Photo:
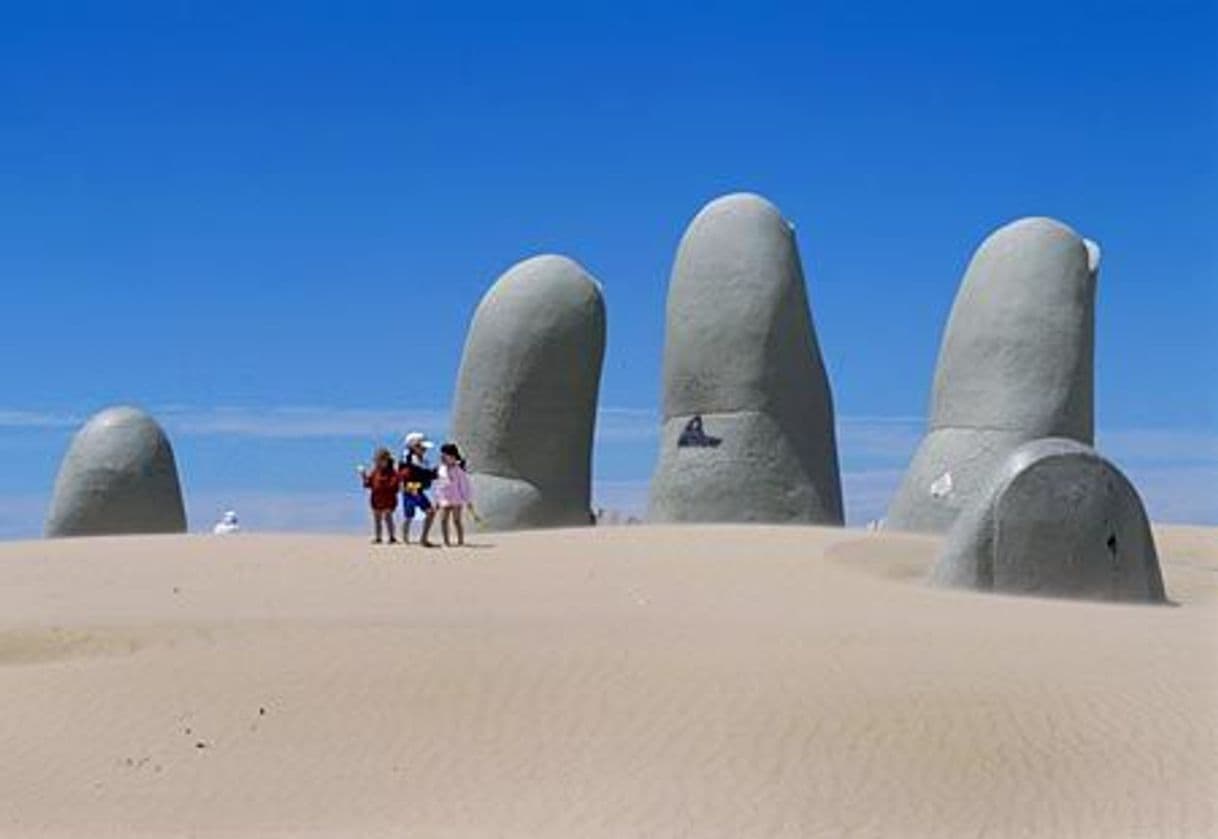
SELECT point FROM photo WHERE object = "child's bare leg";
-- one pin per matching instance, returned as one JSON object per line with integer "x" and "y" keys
{"x": 376, "y": 526}
{"x": 390, "y": 528}
{"x": 460, "y": 527}
{"x": 446, "y": 513}
{"x": 406, "y": 527}
{"x": 428, "y": 518}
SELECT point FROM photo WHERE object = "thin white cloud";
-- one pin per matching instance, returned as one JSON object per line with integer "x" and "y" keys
{"x": 338, "y": 511}
{"x": 298, "y": 422}
{"x": 614, "y": 425}
{"x": 868, "y": 493}
{"x": 283, "y": 422}
{"x": 21, "y": 515}
{"x": 627, "y": 498}
{"x": 879, "y": 437}
{"x": 870, "y": 419}
{"x": 898, "y": 437}
{"x": 626, "y": 425}
{"x": 36, "y": 420}
{"x": 293, "y": 422}
{"x": 1178, "y": 494}
{"x": 1158, "y": 444}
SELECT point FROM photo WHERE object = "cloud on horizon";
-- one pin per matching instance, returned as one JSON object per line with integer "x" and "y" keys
{"x": 1175, "y": 470}
{"x": 295, "y": 422}
{"x": 871, "y": 435}
{"x": 36, "y": 420}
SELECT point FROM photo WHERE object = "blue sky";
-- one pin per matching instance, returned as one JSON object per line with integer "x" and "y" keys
{"x": 269, "y": 223}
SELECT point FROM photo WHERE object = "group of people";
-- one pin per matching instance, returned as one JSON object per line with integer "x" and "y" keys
{"x": 416, "y": 481}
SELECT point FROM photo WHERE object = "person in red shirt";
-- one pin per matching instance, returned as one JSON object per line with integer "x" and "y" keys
{"x": 382, "y": 483}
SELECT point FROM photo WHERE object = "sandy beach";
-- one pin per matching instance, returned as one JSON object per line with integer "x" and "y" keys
{"x": 633, "y": 681}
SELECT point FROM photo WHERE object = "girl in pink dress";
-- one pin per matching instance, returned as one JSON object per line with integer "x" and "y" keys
{"x": 453, "y": 491}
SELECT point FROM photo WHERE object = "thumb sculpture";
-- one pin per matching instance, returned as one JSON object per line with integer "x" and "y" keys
{"x": 1016, "y": 364}
{"x": 525, "y": 407}
{"x": 118, "y": 477}
{"x": 747, "y": 432}
{"x": 1056, "y": 519}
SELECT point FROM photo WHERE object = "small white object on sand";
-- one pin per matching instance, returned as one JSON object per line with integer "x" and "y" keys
{"x": 227, "y": 525}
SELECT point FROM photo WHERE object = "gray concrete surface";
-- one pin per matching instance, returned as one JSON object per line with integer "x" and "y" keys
{"x": 741, "y": 353}
{"x": 526, "y": 397}
{"x": 119, "y": 476}
{"x": 1016, "y": 364}
{"x": 1055, "y": 519}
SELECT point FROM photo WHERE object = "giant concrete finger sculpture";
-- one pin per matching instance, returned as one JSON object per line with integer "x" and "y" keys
{"x": 526, "y": 395}
{"x": 1058, "y": 520}
{"x": 118, "y": 477}
{"x": 1016, "y": 364}
{"x": 747, "y": 429}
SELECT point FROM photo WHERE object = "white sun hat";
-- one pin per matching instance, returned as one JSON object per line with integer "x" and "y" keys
{"x": 417, "y": 438}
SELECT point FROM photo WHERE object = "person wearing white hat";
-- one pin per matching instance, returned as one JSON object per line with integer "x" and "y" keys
{"x": 417, "y": 440}
{"x": 416, "y": 477}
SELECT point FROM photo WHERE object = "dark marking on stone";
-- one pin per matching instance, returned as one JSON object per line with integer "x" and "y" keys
{"x": 694, "y": 436}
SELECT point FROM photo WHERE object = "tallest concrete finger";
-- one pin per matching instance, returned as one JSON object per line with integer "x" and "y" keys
{"x": 748, "y": 415}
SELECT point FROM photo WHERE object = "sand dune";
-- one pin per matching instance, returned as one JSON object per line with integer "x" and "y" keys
{"x": 729, "y": 681}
